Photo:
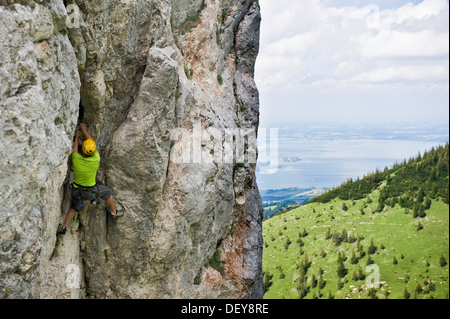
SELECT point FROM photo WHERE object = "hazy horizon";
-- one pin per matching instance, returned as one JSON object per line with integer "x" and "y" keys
{"x": 324, "y": 156}
{"x": 337, "y": 64}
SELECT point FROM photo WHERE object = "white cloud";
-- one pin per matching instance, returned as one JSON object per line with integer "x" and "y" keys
{"x": 398, "y": 44}
{"x": 427, "y": 73}
{"x": 344, "y": 68}
{"x": 307, "y": 44}
{"x": 428, "y": 9}
{"x": 294, "y": 44}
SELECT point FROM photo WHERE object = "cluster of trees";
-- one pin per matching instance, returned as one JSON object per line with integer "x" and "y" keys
{"x": 353, "y": 190}
{"x": 302, "y": 282}
{"x": 428, "y": 284}
{"x": 422, "y": 176}
{"x": 426, "y": 288}
{"x": 305, "y": 282}
{"x": 410, "y": 183}
{"x": 354, "y": 259}
{"x": 341, "y": 237}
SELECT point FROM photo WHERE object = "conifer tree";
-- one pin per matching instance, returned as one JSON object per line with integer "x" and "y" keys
{"x": 313, "y": 281}
{"x": 267, "y": 280}
{"x": 321, "y": 282}
{"x": 302, "y": 276}
{"x": 302, "y": 290}
{"x": 372, "y": 248}
{"x": 282, "y": 275}
{"x": 419, "y": 289}
{"x": 419, "y": 226}
{"x": 422, "y": 213}
{"x": 420, "y": 195}
{"x": 361, "y": 275}
{"x": 427, "y": 203}
{"x": 406, "y": 294}
{"x": 353, "y": 259}
{"x": 287, "y": 243}
{"x": 416, "y": 210}
{"x": 442, "y": 261}
{"x": 372, "y": 293}
{"x": 341, "y": 271}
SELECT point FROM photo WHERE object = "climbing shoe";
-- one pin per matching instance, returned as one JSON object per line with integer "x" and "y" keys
{"x": 61, "y": 230}
{"x": 119, "y": 213}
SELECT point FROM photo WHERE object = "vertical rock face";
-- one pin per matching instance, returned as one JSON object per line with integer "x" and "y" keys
{"x": 39, "y": 87}
{"x": 168, "y": 91}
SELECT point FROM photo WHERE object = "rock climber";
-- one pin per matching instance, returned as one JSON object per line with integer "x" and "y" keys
{"x": 85, "y": 166}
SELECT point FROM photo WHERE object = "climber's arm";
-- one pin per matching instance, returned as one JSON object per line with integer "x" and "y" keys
{"x": 75, "y": 143}
{"x": 84, "y": 131}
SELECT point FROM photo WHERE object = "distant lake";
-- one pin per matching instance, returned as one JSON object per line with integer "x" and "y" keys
{"x": 325, "y": 155}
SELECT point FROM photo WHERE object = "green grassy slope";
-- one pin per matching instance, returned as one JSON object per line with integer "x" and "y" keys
{"x": 393, "y": 232}
{"x": 303, "y": 246}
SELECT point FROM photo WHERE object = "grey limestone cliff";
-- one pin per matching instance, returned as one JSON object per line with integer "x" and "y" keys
{"x": 151, "y": 75}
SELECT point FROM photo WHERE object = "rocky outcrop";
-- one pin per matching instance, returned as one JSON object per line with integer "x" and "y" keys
{"x": 39, "y": 86}
{"x": 157, "y": 79}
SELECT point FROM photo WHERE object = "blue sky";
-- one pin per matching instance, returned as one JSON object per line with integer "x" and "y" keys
{"x": 335, "y": 60}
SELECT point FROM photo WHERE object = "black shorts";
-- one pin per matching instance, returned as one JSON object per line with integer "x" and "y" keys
{"x": 78, "y": 195}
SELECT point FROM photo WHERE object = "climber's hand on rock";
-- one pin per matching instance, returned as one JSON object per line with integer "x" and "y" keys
{"x": 84, "y": 131}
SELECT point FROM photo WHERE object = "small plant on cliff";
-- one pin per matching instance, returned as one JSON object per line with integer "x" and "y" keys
{"x": 189, "y": 72}
{"x": 59, "y": 120}
{"x": 190, "y": 23}
{"x": 218, "y": 37}
{"x": 195, "y": 18}
{"x": 197, "y": 280}
{"x": 220, "y": 79}
{"x": 216, "y": 263}
{"x": 22, "y": 2}
{"x": 224, "y": 14}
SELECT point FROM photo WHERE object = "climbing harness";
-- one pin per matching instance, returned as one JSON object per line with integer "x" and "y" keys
{"x": 87, "y": 193}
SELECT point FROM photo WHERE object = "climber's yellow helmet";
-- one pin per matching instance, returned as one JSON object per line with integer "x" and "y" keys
{"x": 89, "y": 147}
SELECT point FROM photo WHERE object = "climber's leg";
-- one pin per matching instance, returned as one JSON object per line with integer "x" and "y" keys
{"x": 110, "y": 205}
{"x": 76, "y": 205}
{"x": 70, "y": 213}
{"x": 110, "y": 208}
{"x": 105, "y": 193}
